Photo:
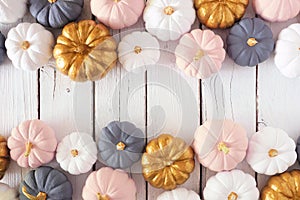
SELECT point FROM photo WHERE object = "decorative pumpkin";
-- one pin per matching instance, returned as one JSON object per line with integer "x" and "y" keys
{"x": 179, "y": 194}
{"x": 12, "y": 10}
{"x": 168, "y": 20}
{"x": 277, "y": 10}
{"x": 55, "y": 13}
{"x": 76, "y": 153}
{"x": 271, "y": 151}
{"x": 121, "y": 144}
{"x": 200, "y": 53}
{"x": 287, "y": 52}
{"x": 7, "y": 193}
{"x": 220, "y": 145}
{"x": 250, "y": 42}
{"x": 231, "y": 185}
{"x": 45, "y": 183}
{"x": 85, "y": 51}
{"x": 32, "y": 144}
{"x": 220, "y": 14}
{"x": 106, "y": 184}
{"x": 167, "y": 162}
{"x": 138, "y": 49}
{"x": 117, "y": 13}
{"x": 2, "y": 48}
{"x": 298, "y": 149}
{"x": 4, "y": 156}
{"x": 29, "y": 46}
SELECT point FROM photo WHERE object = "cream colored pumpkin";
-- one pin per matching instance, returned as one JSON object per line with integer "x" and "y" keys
{"x": 12, "y": 10}
{"x": 179, "y": 194}
{"x": 7, "y": 193}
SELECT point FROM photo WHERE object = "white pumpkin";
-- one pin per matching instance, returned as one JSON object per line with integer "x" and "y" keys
{"x": 138, "y": 49}
{"x": 231, "y": 185}
{"x": 29, "y": 46}
{"x": 168, "y": 20}
{"x": 271, "y": 151}
{"x": 179, "y": 194}
{"x": 287, "y": 52}
{"x": 12, "y": 10}
{"x": 7, "y": 193}
{"x": 76, "y": 153}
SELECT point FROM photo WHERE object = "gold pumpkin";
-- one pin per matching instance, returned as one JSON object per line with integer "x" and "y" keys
{"x": 4, "y": 156}
{"x": 283, "y": 187}
{"x": 85, "y": 51}
{"x": 167, "y": 162}
{"x": 220, "y": 13}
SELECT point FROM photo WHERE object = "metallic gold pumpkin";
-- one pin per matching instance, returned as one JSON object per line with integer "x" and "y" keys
{"x": 4, "y": 156}
{"x": 220, "y": 13}
{"x": 167, "y": 162}
{"x": 283, "y": 187}
{"x": 85, "y": 51}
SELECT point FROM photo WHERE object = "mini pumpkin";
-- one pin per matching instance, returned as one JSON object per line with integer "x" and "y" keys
{"x": 121, "y": 144}
{"x": 168, "y": 20}
{"x": 250, "y": 42}
{"x": 220, "y": 14}
{"x": 277, "y": 10}
{"x": 55, "y": 13}
{"x": 7, "y": 193}
{"x": 85, "y": 51}
{"x": 220, "y": 145}
{"x": 298, "y": 149}
{"x": 117, "y": 13}
{"x": 2, "y": 48}
{"x": 287, "y": 52}
{"x": 231, "y": 185}
{"x": 167, "y": 162}
{"x": 271, "y": 151}
{"x": 179, "y": 194}
{"x": 45, "y": 183}
{"x": 282, "y": 187}
{"x": 106, "y": 184}
{"x": 76, "y": 153}
{"x": 138, "y": 49}
{"x": 4, "y": 156}
{"x": 12, "y": 10}
{"x": 200, "y": 53}
{"x": 32, "y": 144}
{"x": 29, "y": 46}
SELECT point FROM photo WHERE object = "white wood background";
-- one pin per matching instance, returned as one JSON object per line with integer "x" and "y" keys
{"x": 255, "y": 97}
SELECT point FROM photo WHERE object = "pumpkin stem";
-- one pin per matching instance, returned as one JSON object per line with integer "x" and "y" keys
{"x": 40, "y": 196}
{"x": 102, "y": 197}
{"x": 169, "y": 10}
{"x": 137, "y": 49}
{"x": 74, "y": 152}
{"x": 28, "y": 149}
{"x": 116, "y": 1}
{"x": 273, "y": 153}
{"x": 198, "y": 55}
{"x": 252, "y": 42}
{"x": 25, "y": 45}
{"x": 233, "y": 196}
{"x": 121, "y": 146}
{"x": 52, "y": 1}
{"x": 222, "y": 147}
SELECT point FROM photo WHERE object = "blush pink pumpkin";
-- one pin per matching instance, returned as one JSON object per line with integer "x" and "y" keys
{"x": 220, "y": 145}
{"x": 32, "y": 144}
{"x": 109, "y": 184}
{"x": 117, "y": 13}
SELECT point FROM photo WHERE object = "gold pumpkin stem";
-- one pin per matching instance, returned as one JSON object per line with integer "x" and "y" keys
{"x": 25, "y": 45}
{"x": 252, "y": 42}
{"x": 116, "y": 1}
{"x": 74, "y": 152}
{"x": 222, "y": 147}
{"x": 169, "y": 10}
{"x": 121, "y": 146}
{"x": 273, "y": 153}
{"x": 40, "y": 196}
{"x": 137, "y": 49}
{"x": 52, "y": 1}
{"x": 198, "y": 55}
{"x": 233, "y": 196}
{"x": 102, "y": 197}
{"x": 28, "y": 149}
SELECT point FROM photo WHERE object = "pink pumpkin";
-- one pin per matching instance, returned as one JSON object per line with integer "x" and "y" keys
{"x": 117, "y": 13}
{"x": 220, "y": 145}
{"x": 200, "y": 53}
{"x": 109, "y": 184}
{"x": 277, "y": 10}
{"x": 32, "y": 144}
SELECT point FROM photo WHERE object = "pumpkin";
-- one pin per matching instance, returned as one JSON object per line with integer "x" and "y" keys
{"x": 29, "y": 46}
{"x": 12, "y": 10}
{"x": 76, "y": 153}
{"x": 250, "y": 42}
{"x": 179, "y": 194}
{"x": 168, "y": 20}
{"x": 167, "y": 162}
{"x": 55, "y": 13}
{"x": 45, "y": 183}
{"x": 85, "y": 51}
{"x": 117, "y": 13}
{"x": 7, "y": 193}
{"x": 231, "y": 185}
{"x": 121, "y": 144}
{"x": 271, "y": 151}
{"x": 4, "y": 156}
{"x": 220, "y": 14}
{"x": 298, "y": 149}
{"x": 277, "y": 10}
{"x": 200, "y": 53}
{"x": 2, "y": 48}
{"x": 138, "y": 49}
{"x": 106, "y": 184}
{"x": 32, "y": 144}
{"x": 220, "y": 144}
{"x": 287, "y": 51}
{"x": 282, "y": 187}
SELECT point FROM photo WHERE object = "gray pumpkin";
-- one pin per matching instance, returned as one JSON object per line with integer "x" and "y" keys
{"x": 2, "y": 48}
{"x": 55, "y": 13}
{"x": 121, "y": 144}
{"x": 250, "y": 42}
{"x": 298, "y": 149}
{"x": 45, "y": 183}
